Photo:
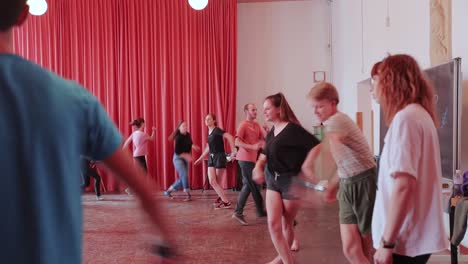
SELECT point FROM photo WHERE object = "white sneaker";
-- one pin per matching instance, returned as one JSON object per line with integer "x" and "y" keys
{"x": 99, "y": 198}
{"x": 128, "y": 191}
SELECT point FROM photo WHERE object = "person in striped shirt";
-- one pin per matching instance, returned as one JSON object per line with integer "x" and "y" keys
{"x": 354, "y": 185}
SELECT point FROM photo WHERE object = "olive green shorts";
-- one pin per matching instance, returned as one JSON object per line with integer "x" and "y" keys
{"x": 356, "y": 198}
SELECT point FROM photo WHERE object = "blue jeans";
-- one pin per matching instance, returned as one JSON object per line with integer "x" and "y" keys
{"x": 181, "y": 167}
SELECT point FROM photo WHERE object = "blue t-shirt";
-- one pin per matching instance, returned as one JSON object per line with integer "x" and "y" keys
{"x": 46, "y": 123}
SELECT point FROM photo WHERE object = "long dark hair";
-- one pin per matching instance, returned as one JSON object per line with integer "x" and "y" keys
{"x": 214, "y": 118}
{"x": 286, "y": 113}
{"x": 137, "y": 122}
{"x": 176, "y": 132}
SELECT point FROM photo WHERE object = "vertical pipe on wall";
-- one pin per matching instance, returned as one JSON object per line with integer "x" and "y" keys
{"x": 330, "y": 38}
{"x": 362, "y": 36}
{"x": 459, "y": 102}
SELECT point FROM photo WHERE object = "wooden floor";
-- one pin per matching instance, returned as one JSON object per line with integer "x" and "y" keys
{"x": 115, "y": 231}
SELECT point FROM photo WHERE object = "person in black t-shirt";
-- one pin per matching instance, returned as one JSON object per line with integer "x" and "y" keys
{"x": 287, "y": 145}
{"x": 217, "y": 159}
{"x": 182, "y": 156}
{"x": 88, "y": 169}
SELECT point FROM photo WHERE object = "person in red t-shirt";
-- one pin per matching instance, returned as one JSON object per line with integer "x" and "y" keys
{"x": 249, "y": 139}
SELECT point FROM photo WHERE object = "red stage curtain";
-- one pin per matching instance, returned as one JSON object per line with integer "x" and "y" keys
{"x": 159, "y": 59}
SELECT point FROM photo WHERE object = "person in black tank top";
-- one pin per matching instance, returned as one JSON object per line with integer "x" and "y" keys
{"x": 287, "y": 146}
{"x": 217, "y": 158}
{"x": 182, "y": 156}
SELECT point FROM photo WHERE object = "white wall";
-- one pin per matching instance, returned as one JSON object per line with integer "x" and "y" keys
{"x": 280, "y": 44}
{"x": 460, "y": 34}
{"x": 361, "y": 37}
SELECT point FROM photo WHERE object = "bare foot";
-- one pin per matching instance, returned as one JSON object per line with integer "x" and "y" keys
{"x": 295, "y": 245}
{"x": 277, "y": 260}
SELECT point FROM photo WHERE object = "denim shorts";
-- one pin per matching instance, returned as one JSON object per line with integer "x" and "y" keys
{"x": 280, "y": 183}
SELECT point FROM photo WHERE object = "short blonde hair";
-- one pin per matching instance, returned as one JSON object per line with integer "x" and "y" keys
{"x": 322, "y": 91}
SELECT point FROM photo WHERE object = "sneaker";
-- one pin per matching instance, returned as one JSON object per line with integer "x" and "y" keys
{"x": 99, "y": 198}
{"x": 223, "y": 205}
{"x": 217, "y": 201}
{"x": 262, "y": 214}
{"x": 128, "y": 191}
{"x": 240, "y": 218}
{"x": 168, "y": 194}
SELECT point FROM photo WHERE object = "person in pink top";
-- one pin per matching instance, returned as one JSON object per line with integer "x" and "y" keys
{"x": 140, "y": 141}
{"x": 249, "y": 139}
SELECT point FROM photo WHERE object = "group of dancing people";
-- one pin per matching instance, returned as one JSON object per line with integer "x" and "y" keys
{"x": 401, "y": 210}
{"x": 398, "y": 213}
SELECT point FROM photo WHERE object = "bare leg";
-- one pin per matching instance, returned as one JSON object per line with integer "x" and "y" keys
{"x": 212, "y": 177}
{"x": 277, "y": 260}
{"x": 295, "y": 245}
{"x": 352, "y": 249}
{"x": 290, "y": 211}
{"x": 367, "y": 247}
{"x": 274, "y": 205}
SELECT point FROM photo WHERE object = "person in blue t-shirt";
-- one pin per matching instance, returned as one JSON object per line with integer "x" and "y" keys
{"x": 42, "y": 119}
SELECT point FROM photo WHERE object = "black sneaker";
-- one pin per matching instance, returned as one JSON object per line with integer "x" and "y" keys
{"x": 168, "y": 194}
{"x": 240, "y": 218}
{"x": 164, "y": 251}
{"x": 262, "y": 214}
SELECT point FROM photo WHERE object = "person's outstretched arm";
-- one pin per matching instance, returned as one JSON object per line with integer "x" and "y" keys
{"x": 230, "y": 140}
{"x": 125, "y": 145}
{"x": 151, "y": 138}
{"x": 258, "y": 172}
{"x": 203, "y": 155}
{"x": 121, "y": 164}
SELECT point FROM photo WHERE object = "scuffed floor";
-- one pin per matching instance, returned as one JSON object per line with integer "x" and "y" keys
{"x": 115, "y": 231}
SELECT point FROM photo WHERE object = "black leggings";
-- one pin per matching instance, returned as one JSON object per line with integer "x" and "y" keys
{"x": 142, "y": 161}
{"x": 86, "y": 180}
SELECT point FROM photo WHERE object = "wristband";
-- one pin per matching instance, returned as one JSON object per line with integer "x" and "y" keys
{"x": 386, "y": 244}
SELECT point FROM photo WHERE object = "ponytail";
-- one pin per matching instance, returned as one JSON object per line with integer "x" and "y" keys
{"x": 137, "y": 122}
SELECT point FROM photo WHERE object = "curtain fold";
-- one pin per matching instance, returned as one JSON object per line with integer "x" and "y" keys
{"x": 160, "y": 60}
